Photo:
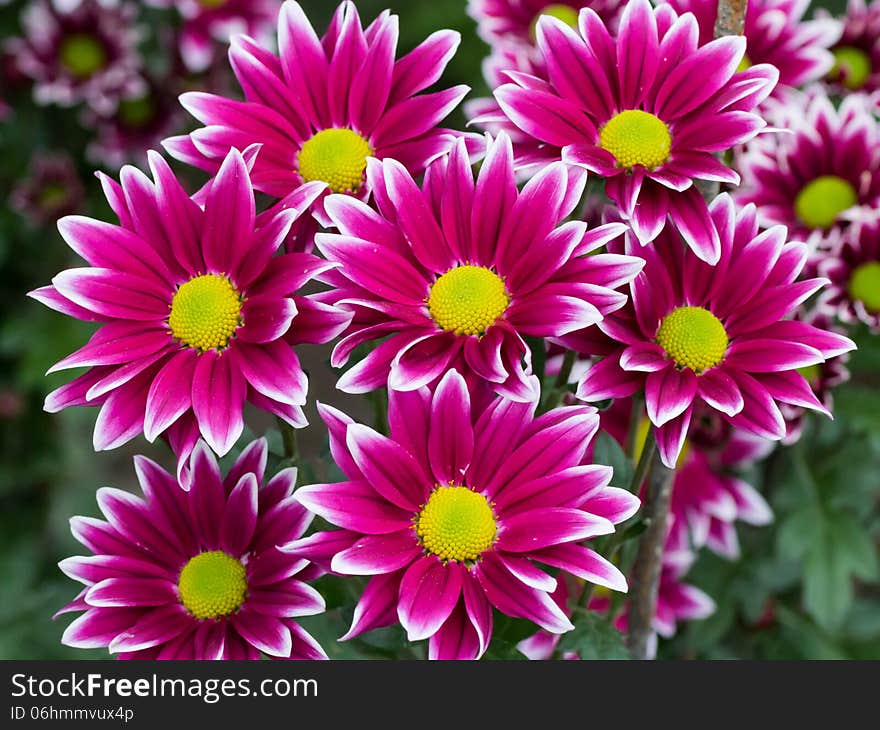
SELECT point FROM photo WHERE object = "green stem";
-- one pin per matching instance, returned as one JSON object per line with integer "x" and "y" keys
{"x": 565, "y": 370}
{"x": 379, "y": 399}
{"x": 288, "y": 440}
{"x": 644, "y": 465}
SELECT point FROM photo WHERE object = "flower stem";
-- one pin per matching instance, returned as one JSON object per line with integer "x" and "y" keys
{"x": 645, "y": 574}
{"x": 379, "y": 399}
{"x": 288, "y": 440}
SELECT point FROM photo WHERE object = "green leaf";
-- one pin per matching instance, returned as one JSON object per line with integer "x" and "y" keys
{"x": 607, "y": 451}
{"x": 593, "y": 637}
{"x": 827, "y": 587}
{"x": 797, "y": 532}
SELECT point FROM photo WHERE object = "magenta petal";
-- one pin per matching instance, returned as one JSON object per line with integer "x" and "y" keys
{"x": 377, "y": 606}
{"x": 239, "y": 516}
{"x": 266, "y": 633}
{"x": 287, "y": 599}
{"x": 668, "y": 393}
{"x": 218, "y": 395}
{"x": 760, "y": 355}
{"x": 456, "y": 639}
{"x": 113, "y": 294}
{"x": 516, "y": 599}
{"x": 429, "y": 591}
{"x": 169, "y": 396}
{"x": 96, "y": 628}
{"x": 388, "y": 467}
{"x": 691, "y": 216}
{"x": 132, "y": 591}
{"x": 523, "y": 569}
{"x": 478, "y": 609}
{"x": 207, "y": 497}
{"x": 643, "y": 356}
{"x": 720, "y": 391}
{"x": 583, "y": 563}
{"x": 229, "y": 216}
{"x": 537, "y": 528}
{"x": 606, "y": 379}
{"x": 155, "y": 628}
{"x": 423, "y": 360}
{"x": 670, "y": 438}
{"x": 274, "y": 370}
{"x": 266, "y": 318}
{"x": 408, "y": 420}
{"x": 354, "y": 506}
{"x": 376, "y": 554}
{"x": 451, "y": 433}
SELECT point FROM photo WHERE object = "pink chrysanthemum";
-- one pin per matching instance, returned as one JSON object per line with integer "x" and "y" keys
{"x": 645, "y": 109}
{"x": 716, "y": 334}
{"x": 52, "y": 189}
{"x": 857, "y": 53}
{"x": 194, "y": 573}
{"x": 205, "y": 22}
{"x": 458, "y": 272}
{"x": 776, "y": 34}
{"x": 448, "y": 514}
{"x": 197, "y": 311}
{"x": 327, "y": 105}
{"x": 81, "y": 52}
{"x": 138, "y": 125}
{"x": 708, "y": 495}
{"x": 821, "y": 177}
{"x": 854, "y": 271}
{"x": 506, "y": 22}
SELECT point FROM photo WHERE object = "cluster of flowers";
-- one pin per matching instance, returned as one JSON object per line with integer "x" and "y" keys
{"x": 441, "y": 285}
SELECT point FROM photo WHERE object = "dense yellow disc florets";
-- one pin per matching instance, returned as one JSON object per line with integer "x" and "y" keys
{"x": 635, "y": 137}
{"x": 820, "y": 201}
{"x": 693, "y": 337}
{"x": 864, "y": 285}
{"x": 456, "y": 524}
{"x": 82, "y": 55}
{"x": 212, "y": 584}
{"x": 205, "y": 312}
{"x": 853, "y": 65}
{"x": 337, "y": 157}
{"x": 467, "y": 300}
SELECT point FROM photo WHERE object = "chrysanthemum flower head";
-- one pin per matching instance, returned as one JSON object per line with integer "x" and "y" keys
{"x": 205, "y": 22}
{"x": 52, "y": 189}
{"x": 857, "y": 53}
{"x": 450, "y": 514}
{"x": 821, "y": 177}
{"x": 327, "y": 105}
{"x": 194, "y": 573}
{"x": 646, "y": 109}
{"x": 854, "y": 271}
{"x": 197, "y": 312}
{"x": 514, "y": 22}
{"x": 716, "y": 334}
{"x": 84, "y": 51}
{"x": 459, "y": 271}
{"x": 776, "y": 34}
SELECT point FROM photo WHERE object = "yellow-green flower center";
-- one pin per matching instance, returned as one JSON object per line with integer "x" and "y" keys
{"x": 82, "y": 55}
{"x": 212, "y": 584}
{"x": 864, "y": 285}
{"x": 693, "y": 337}
{"x": 851, "y": 64}
{"x": 467, "y": 300}
{"x": 635, "y": 137}
{"x": 566, "y": 13}
{"x": 205, "y": 312}
{"x": 137, "y": 112}
{"x": 456, "y": 524}
{"x": 821, "y": 200}
{"x": 337, "y": 157}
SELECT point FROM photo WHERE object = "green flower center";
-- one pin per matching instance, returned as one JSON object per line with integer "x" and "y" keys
{"x": 467, "y": 300}
{"x": 82, "y": 55}
{"x": 635, "y": 137}
{"x": 693, "y": 337}
{"x": 566, "y": 13}
{"x": 136, "y": 112}
{"x": 821, "y": 200}
{"x": 337, "y": 157}
{"x": 864, "y": 285}
{"x": 456, "y": 523}
{"x": 205, "y": 312}
{"x": 852, "y": 65}
{"x": 212, "y": 584}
